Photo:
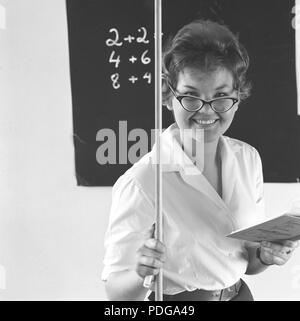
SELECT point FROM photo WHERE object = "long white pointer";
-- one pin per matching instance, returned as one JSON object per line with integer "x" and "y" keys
{"x": 158, "y": 130}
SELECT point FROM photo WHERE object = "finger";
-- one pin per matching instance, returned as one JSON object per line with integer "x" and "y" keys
{"x": 278, "y": 260}
{"x": 150, "y": 262}
{"x": 150, "y": 232}
{"x": 274, "y": 246}
{"x": 274, "y": 257}
{"x": 287, "y": 250}
{"x": 268, "y": 257}
{"x": 156, "y": 245}
{"x": 279, "y": 250}
{"x": 289, "y": 243}
{"x": 271, "y": 245}
{"x": 251, "y": 245}
{"x": 143, "y": 271}
{"x": 144, "y": 251}
{"x": 292, "y": 244}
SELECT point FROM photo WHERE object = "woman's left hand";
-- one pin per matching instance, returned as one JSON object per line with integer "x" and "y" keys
{"x": 275, "y": 253}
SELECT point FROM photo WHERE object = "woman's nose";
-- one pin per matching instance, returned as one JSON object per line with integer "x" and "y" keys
{"x": 206, "y": 109}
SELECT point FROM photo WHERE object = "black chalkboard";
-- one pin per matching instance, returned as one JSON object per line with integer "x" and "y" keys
{"x": 111, "y": 45}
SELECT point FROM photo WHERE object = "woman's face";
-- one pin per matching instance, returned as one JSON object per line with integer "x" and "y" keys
{"x": 206, "y": 86}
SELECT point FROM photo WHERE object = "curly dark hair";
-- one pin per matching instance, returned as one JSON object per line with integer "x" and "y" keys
{"x": 206, "y": 45}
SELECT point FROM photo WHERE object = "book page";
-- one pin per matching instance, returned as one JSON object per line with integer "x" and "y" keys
{"x": 285, "y": 227}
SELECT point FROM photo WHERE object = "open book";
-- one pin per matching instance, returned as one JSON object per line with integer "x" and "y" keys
{"x": 283, "y": 227}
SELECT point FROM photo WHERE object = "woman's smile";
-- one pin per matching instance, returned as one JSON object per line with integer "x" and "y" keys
{"x": 205, "y": 123}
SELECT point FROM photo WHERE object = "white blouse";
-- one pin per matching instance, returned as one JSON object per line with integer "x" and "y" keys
{"x": 196, "y": 219}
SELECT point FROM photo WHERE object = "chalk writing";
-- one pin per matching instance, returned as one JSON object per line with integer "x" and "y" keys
{"x": 137, "y": 57}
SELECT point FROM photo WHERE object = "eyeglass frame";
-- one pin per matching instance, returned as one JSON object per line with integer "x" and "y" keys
{"x": 180, "y": 97}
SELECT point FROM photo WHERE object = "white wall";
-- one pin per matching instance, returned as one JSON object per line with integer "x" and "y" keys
{"x": 51, "y": 231}
{"x": 279, "y": 283}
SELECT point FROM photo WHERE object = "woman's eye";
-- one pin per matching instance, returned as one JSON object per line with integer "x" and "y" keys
{"x": 191, "y": 94}
{"x": 221, "y": 95}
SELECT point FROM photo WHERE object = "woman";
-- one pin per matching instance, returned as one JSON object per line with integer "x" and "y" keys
{"x": 212, "y": 184}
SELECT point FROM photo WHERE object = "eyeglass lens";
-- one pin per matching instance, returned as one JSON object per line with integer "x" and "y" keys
{"x": 220, "y": 105}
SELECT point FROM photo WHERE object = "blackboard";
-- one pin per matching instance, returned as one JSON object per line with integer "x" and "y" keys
{"x": 111, "y": 46}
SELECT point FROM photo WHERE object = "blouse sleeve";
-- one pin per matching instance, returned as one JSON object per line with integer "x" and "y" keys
{"x": 259, "y": 184}
{"x": 132, "y": 214}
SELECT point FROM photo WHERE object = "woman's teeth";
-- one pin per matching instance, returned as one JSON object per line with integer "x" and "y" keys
{"x": 205, "y": 122}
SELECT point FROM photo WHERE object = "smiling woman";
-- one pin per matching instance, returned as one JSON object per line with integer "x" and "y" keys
{"x": 203, "y": 84}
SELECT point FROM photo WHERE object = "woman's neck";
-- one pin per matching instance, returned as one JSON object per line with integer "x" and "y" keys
{"x": 203, "y": 155}
{"x": 210, "y": 153}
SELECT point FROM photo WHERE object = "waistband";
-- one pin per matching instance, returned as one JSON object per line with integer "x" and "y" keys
{"x": 226, "y": 294}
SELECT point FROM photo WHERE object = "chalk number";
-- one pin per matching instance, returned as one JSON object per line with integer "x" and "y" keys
{"x": 115, "y": 80}
{"x": 115, "y": 60}
{"x": 115, "y": 41}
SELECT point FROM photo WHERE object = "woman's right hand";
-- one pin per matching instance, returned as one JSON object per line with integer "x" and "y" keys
{"x": 150, "y": 256}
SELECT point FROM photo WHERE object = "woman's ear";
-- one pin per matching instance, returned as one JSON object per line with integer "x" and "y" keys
{"x": 168, "y": 105}
{"x": 166, "y": 96}
{"x": 236, "y": 106}
{"x": 167, "y": 102}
